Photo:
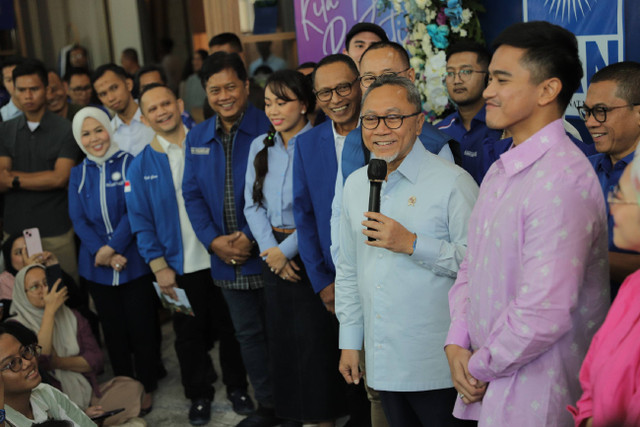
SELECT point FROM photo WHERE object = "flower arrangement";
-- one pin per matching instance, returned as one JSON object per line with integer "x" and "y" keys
{"x": 431, "y": 26}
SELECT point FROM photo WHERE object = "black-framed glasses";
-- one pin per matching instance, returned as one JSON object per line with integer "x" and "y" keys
{"x": 464, "y": 74}
{"x": 368, "y": 79}
{"x": 27, "y": 353}
{"x": 615, "y": 196}
{"x": 392, "y": 121}
{"x": 343, "y": 89}
{"x": 599, "y": 112}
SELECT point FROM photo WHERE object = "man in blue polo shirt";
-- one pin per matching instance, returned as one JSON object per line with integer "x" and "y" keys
{"x": 466, "y": 79}
{"x": 612, "y": 115}
{"x": 216, "y": 156}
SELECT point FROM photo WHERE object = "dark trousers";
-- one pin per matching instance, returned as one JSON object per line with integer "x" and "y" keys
{"x": 247, "y": 308}
{"x": 194, "y": 337}
{"x": 129, "y": 322}
{"x": 431, "y": 408}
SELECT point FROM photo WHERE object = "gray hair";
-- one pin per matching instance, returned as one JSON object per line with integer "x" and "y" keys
{"x": 413, "y": 95}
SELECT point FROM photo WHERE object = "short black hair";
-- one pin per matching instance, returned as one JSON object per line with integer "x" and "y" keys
{"x": 130, "y": 53}
{"x": 332, "y": 59}
{"x": 626, "y": 75}
{"x": 202, "y": 53}
{"x": 221, "y": 61}
{"x": 101, "y": 70}
{"x": 150, "y": 69}
{"x": 551, "y": 51}
{"x": 75, "y": 71}
{"x": 31, "y": 66}
{"x": 391, "y": 45}
{"x": 226, "y": 38}
{"x": 150, "y": 87}
{"x": 361, "y": 27}
{"x": 12, "y": 60}
{"x": 20, "y": 332}
{"x": 308, "y": 64}
{"x": 483, "y": 54}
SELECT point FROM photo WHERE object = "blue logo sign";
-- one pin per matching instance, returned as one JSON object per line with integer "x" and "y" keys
{"x": 598, "y": 26}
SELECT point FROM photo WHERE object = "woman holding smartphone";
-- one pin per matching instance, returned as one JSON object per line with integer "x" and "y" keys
{"x": 116, "y": 275}
{"x": 302, "y": 333}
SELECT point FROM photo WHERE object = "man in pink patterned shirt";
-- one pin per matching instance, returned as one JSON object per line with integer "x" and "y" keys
{"x": 533, "y": 288}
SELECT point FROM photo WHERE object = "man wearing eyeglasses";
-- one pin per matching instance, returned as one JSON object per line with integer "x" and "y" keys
{"x": 466, "y": 78}
{"x": 393, "y": 291}
{"x": 612, "y": 115}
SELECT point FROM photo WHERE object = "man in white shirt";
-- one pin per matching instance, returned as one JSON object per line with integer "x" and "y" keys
{"x": 113, "y": 87}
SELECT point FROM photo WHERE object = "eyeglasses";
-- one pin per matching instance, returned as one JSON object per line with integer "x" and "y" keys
{"x": 78, "y": 89}
{"x": 463, "y": 75}
{"x": 26, "y": 353}
{"x": 615, "y": 196}
{"x": 343, "y": 89}
{"x": 599, "y": 112}
{"x": 368, "y": 79}
{"x": 392, "y": 121}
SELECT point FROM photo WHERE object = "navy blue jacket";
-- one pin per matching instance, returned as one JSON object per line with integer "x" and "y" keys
{"x": 99, "y": 214}
{"x": 314, "y": 177}
{"x": 153, "y": 208}
{"x": 203, "y": 184}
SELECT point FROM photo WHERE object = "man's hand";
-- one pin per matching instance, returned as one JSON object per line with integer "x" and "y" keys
{"x": 275, "y": 259}
{"x": 348, "y": 367}
{"x": 6, "y": 180}
{"x": 233, "y": 249}
{"x": 166, "y": 279}
{"x": 389, "y": 233}
{"x": 328, "y": 297}
{"x": 103, "y": 256}
{"x": 94, "y": 411}
{"x": 471, "y": 388}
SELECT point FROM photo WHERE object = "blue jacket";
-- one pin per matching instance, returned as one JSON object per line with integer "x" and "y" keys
{"x": 99, "y": 214}
{"x": 153, "y": 208}
{"x": 354, "y": 155}
{"x": 314, "y": 177}
{"x": 203, "y": 184}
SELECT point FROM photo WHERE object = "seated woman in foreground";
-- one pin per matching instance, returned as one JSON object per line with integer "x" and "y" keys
{"x": 69, "y": 350}
{"x": 610, "y": 372}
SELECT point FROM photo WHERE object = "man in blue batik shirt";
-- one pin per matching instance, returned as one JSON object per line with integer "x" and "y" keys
{"x": 392, "y": 292}
{"x": 612, "y": 116}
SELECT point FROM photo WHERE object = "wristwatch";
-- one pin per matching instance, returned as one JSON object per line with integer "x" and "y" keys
{"x": 15, "y": 184}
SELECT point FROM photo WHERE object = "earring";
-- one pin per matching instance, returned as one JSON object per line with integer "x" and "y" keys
{"x": 303, "y": 112}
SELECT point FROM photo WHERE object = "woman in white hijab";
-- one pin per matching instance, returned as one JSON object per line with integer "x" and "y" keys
{"x": 70, "y": 353}
{"x": 115, "y": 274}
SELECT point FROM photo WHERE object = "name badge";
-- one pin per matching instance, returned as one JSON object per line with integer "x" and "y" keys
{"x": 200, "y": 151}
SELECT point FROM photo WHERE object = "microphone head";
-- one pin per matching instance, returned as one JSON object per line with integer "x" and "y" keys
{"x": 377, "y": 170}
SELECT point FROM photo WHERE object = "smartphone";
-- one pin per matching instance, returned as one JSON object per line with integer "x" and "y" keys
{"x": 32, "y": 240}
{"x": 107, "y": 414}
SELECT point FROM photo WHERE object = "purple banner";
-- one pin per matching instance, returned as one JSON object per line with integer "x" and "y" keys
{"x": 322, "y": 25}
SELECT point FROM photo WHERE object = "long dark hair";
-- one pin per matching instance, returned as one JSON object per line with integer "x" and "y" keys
{"x": 279, "y": 83}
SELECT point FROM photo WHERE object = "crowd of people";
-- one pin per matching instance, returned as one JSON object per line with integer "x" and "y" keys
{"x": 496, "y": 284}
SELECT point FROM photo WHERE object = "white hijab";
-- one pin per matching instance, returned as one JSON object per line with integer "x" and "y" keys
{"x": 103, "y": 118}
{"x": 65, "y": 340}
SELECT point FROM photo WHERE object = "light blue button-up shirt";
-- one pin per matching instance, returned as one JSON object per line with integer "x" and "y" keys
{"x": 9, "y": 111}
{"x": 132, "y": 137}
{"x": 397, "y": 302}
{"x": 277, "y": 205}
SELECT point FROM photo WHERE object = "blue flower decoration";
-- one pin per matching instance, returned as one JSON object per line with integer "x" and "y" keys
{"x": 454, "y": 12}
{"x": 438, "y": 35}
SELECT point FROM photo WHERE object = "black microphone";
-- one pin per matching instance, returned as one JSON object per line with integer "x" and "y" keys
{"x": 377, "y": 172}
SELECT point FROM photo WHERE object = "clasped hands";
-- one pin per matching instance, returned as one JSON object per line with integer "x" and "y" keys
{"x": 280, "y": 264}
{"x": 107, "y": 257}
{"x": 469, "y": 389}
{"x": 232, "y": 249}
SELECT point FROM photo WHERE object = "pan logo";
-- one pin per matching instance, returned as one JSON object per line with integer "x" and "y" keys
{"x": 598, "y": 26}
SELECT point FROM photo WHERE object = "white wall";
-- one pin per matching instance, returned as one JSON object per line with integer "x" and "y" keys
{"x": 125, "y": 28}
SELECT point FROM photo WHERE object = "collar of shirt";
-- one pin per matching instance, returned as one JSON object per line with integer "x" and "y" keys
{"x": 479, "y": 117}
{"x": 528, "y": 152}
{"x": 166, "y": 145}
{"x": 605, "y": 164}
{"x": 410, "y": 166}
{"x": 117, "y": 121}
{"x": 220, "y": 129}
{"x": 292, "y": 141}
{"x": 44, "y": 121}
